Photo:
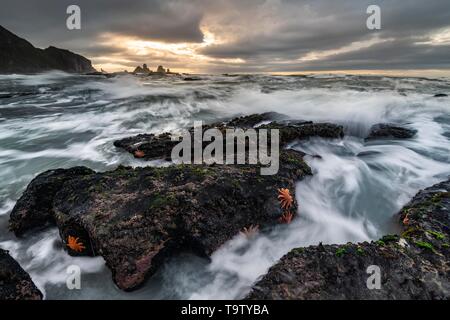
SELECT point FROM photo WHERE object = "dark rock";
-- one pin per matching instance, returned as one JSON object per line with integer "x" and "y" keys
{"x": 97, "y": 73}
{"x": 61, "y": 59}
{"x": 440, "y": 95}
{"x": 35, "y": 208}
{"x": 390, "y": 131}
{"x": 138, "y": 69}
{"x": 192, "y": 79}
{"x": 136, "y": 218}
{"x": 160, "y": 146}
{"x": 415, "y": 267}
{"x": 15, "y": 283}
{"x": 153, "y": 146}
{"x": 305, "y": 130}
{"x": 19, "y": 56}
{"x": 368, "y": 153}
{"x": 252, "y": 120}
{"x": 161, "y": 70}
{"x": 143, "y": 69}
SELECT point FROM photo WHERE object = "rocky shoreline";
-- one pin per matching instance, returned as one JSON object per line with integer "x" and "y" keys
{"x": 151, "y": 146}
{"x": 15, "y": 283}
{"x": 413, "y": 265}
{"x": 137, "y": 218}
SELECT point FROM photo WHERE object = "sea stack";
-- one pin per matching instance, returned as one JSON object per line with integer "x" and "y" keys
{"x": 161, "y": 70}
{"x": 143, "y": 69}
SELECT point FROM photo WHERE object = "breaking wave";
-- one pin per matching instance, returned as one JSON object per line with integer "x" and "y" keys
{"x": 60, "y": 120}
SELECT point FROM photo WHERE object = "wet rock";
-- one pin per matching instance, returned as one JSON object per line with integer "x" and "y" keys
{"x": 136, "y": 218}
{"x": 440, "y": 95}
{"x": 304, "y": 130}
{"x": 192, "y": 79}
{"x": 34, "y": 209}
{"x": 368, "y": 153}
{"x": 414, "y": 265}
{"x": 15, "y": 283}
{"x": 148, "y": 146}
{"x": 253, "y": 120}
{"x": 160, "y": 146}
{"x": 151, "y": 146}
{"x": 390, "y": 131}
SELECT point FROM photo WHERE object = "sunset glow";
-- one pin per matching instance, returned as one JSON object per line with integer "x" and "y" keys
{"x": 269, "y": 36}
{"x": 157, "y": 53}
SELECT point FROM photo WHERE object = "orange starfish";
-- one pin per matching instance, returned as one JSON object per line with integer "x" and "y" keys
{"x": 285, "y": 198}
{"x": 286, "y": 217}
{"x": 73, "y": 244}
{"x": 250, "y": 231}
{"x": 406, "y": 219}
{"x": 139, "y": 154}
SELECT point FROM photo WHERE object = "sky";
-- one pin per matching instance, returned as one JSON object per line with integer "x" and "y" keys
{"x": 244, "y": 36}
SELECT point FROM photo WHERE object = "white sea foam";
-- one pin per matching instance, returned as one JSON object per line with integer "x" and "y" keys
{"x": 356, "y": 189}
{"x": 45, "y": 260}
{"x": 43, "y": 78}
{"x": 6, "y": 206}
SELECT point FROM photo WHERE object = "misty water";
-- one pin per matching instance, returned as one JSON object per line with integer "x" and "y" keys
{"x": 56, "y": 120}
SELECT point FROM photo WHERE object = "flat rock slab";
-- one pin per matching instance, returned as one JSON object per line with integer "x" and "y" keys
{"x": 15, "y": 283}
{"x": 151, "y": 146}
{"x": 136, "y": 218}
{"x": 415, "y": 265}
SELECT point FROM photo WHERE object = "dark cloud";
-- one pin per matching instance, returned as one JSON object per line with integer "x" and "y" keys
{"x": 45, "y": 20}
{"x": 326, "y": 25}
{"x": 399, "y": 54}
{"x": 266, "y": 35}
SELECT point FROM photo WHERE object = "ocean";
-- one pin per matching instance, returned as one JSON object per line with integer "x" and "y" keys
{"x": 58, "y": 120}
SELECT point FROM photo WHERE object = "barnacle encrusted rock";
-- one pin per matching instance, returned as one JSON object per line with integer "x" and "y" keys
{"x": 136, "y": 217}
{"x": 151, "y": 146}
{"x": 15, "y": 283}
{"x": 414, "y": 265}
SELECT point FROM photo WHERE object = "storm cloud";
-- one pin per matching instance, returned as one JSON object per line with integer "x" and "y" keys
{"x": 242, "y": 36}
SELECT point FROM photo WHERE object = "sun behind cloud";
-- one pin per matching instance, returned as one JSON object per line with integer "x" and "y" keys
{"x": 181, "y": 56}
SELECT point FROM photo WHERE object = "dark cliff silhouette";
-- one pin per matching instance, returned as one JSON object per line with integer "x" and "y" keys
{"x": 17, "y": 55}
